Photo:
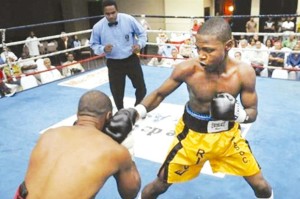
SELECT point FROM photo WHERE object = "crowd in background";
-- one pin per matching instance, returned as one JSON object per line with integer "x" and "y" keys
{"x": 274, "y": 52}
{"x": 21, "y": 72}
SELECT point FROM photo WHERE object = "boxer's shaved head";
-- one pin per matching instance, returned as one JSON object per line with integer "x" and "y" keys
{"x": 94, "y": 103}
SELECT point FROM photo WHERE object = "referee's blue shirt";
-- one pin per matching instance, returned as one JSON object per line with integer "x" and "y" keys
{"x": 122, "y": 36}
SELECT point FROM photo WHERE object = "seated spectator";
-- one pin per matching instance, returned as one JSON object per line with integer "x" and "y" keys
{"x": 252, "y": 42}
{"x": 293, "y": 61}
{"x": 243, "y": 48}
{"x": 14, "y": 73}
{"x": 49, "y": 73}
{"x": 63, "y": 43}
{"x": 4, "y": 89}
{"x": 276, "y": 59}
{"x": 76, "y": 43}
{"x": 73, "y": 66}
{"x": 269, "y": 44}
{"x": 162, "y": 37}
{"x": 9, "y": 54}
{"x": 290, "y": 42}
{"x": 28, "y": 66}
{"x": 176, "y": 58}
{"x": 166, "y": 49}
{"x": 259, "y": 58}
{"x": 186, "y": 49}
{"x": 157, "y": 61}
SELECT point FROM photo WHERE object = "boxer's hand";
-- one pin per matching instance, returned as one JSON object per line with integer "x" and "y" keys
{"x": 225, "y": 107}
{"x": 108, "y": 48}
{"x": 121, "y": 124}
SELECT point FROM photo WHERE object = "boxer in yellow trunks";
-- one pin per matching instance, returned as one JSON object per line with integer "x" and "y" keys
{"x": 209, "y": 128}
{"x": 187, "y": 155}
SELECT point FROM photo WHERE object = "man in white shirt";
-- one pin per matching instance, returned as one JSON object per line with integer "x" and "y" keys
{"x": 33, "y": 44}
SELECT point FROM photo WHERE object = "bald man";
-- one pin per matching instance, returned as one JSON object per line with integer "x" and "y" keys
{"x": 74, "y": 162}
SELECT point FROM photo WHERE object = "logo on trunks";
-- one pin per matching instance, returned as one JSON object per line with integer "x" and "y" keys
{"x": 217, "y": 126}
{"x": 182, "y": 171}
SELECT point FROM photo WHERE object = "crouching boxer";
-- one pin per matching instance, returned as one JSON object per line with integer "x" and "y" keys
{"x": 75, "y": 161}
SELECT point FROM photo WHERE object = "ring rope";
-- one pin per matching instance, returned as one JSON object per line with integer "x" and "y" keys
{"x": 48, "y": 37}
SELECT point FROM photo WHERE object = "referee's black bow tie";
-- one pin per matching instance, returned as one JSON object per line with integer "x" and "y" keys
{"x": 112, "y": 24}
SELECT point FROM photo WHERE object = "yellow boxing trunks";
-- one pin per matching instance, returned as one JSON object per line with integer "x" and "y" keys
{"x": 199, "y": 139}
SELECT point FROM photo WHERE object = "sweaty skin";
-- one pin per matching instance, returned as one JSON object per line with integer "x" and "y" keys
{"x": 74, "y": 163}
{"x": 208, "y": 74}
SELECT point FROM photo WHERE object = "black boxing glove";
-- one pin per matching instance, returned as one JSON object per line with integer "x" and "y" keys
{"x": 121, "y": 124}
{"x": 225, "y": 107}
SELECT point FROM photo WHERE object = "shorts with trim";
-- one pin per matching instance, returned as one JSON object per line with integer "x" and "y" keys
{"x": 227, "y": 151}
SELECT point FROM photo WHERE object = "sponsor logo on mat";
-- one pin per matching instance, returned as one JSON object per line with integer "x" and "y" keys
{"x": 153, "y": 135}
{"x": 88, "y": 80}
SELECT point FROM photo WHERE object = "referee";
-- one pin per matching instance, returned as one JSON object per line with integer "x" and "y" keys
{"x": 120, "y": 37}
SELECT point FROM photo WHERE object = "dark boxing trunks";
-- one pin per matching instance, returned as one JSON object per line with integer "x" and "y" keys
{"x": 21, "y": 192}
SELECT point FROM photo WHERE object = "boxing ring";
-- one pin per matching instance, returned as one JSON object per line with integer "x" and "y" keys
{"x": 274, "y": 137}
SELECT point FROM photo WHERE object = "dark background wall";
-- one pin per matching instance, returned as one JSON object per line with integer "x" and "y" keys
{"x": 19, "y": 13}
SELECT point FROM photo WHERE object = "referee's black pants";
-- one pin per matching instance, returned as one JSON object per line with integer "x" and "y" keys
{"x": 118, "y": 69}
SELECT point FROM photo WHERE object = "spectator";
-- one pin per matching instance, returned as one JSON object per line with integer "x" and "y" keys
{"x": 252, "y": 42}
{"x": 290, "y": 42}
{"x": 63, "y": 43}
{"x": 13, "y": 72}
{"x": 293, "y": 61}
{"x": 162, "y": 37}
{"x": 269, "y": 27}
{"x": 48, "y": 73}
{"x": 186, "y": 49}
{"x": 166, "y": 49}
{"x": 4, "y": 89}
{"x": 76, "y": 161}
{"x": 120, "y": 37}
{"x": 276, "y": 58}
{"x": 243, "y": 48}
{"x": 27, "y": 66}
{"x": 196, "y": 26}
{"x": 33, "y": 45}
{"x": 259, "y": 58}
{"x": 76, "y": 43}
{"x": 279, "y": 24}
{"x": 288, "y": 26}
{"x": 269, "y": 44}
{"x": 157, "y": 61}
{"x": 251, "y": 26}
{"x": 175, "y": 58}
{"x": 9, "y": 54}
{"x": 73, "y": 66}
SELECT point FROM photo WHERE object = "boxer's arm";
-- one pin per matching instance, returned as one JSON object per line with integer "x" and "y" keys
{"x": 178, "y": 76}
{"x": 248, "y": 95}
{"x": 128, "y": 178}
